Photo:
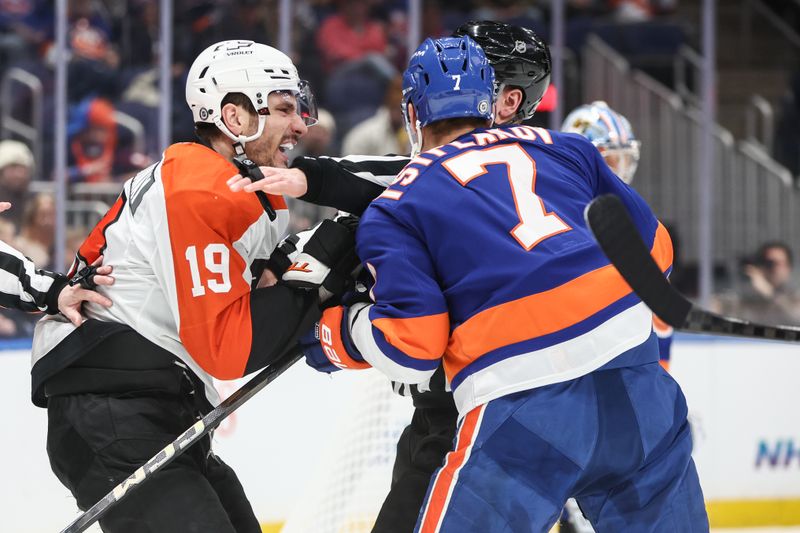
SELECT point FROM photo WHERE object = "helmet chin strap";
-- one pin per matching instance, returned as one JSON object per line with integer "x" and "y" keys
{"x": 414, "y": 133}
{"x": 416, "y": 147}
{"x": 240, "y": 140}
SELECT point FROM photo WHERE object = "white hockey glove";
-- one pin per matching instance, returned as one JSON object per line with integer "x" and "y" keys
{"x": 327, "y": 258}
{"x": 287, "y": 251}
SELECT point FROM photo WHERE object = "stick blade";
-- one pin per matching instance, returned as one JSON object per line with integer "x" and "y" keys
{"x": 609, "y": 221}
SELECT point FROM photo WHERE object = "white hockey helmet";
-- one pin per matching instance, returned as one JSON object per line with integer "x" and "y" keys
{"x": 246, "y": 67}
{"x": 610, "y": 132}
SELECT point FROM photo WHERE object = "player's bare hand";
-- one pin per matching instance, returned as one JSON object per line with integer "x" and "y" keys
{"x": 5, "y": 206}
{"x": 284, "y": 181}
{"x": 72, "y": 297}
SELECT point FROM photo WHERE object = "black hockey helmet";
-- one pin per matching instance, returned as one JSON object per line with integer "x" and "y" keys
{"x": 519, "y": 57}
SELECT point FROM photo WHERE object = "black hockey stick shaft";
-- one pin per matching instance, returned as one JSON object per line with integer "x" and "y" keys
{"x": 184, "y": 441}
{"x": 609, "y": 221}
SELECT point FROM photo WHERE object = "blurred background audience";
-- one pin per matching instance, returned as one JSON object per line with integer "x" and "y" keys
{"x": 353, "y": 54}
{"x": 769, "y": 294}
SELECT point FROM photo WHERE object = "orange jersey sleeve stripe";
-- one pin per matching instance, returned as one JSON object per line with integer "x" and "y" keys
{"x": 523, "y": 319}
{"x": 95, "y": 243}
{"x": 447, "y": 476}
{"x": 422, "y": 337}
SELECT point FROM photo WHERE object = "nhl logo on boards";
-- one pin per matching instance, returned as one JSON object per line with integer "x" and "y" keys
{"x": 203, "y": 113}
{"x": 483, "y": 106}
{"x": 520, "y": 46}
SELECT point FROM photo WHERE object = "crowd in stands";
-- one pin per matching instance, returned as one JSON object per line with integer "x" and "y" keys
{"x": 344, "y": 48}
{"x": 767, "y": 292}
{"x": 351, "y": 52}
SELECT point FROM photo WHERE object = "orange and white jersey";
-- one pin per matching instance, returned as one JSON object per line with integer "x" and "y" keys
{"x": 181, "y": 244}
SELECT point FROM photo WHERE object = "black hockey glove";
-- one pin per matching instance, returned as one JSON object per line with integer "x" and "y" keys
{"x": 328, "y": 258}
{"x": 284, "y": 255}
{"x": 85, "y": 278}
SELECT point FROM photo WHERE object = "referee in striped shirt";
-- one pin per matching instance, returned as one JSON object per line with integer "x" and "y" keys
{"x": 24, "y": 287}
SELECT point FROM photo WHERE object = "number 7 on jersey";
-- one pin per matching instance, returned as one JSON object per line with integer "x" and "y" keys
{"x": 535, "y": 223}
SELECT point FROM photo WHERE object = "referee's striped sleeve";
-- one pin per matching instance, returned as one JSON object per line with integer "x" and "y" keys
{"x": 348, "y": 183}
{"x": 24, "y": 287}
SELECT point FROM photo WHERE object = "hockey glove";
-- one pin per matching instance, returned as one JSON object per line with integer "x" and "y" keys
{"x": 327, "y": 258}
{"x": 313, "y": 352}
{"x": 287, "y": 251}
{"x": 85, "y": 278}
{"x": 334, "y": 349}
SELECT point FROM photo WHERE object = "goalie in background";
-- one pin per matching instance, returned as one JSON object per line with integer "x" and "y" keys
{"x": 613, "y": 136}
{"x": 551, "y": 357}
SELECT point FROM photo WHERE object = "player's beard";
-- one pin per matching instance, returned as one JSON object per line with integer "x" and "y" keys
{"x": 262, "y": 151}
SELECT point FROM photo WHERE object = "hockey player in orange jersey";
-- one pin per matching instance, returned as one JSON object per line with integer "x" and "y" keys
{"x": 186, "y": 256}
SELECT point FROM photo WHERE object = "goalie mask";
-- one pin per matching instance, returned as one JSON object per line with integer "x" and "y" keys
{"x": 253, "y": 69}
{"x": 610, "y": 132}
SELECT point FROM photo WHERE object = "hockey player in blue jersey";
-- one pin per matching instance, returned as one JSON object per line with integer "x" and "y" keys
{"x": 482, "y": 260}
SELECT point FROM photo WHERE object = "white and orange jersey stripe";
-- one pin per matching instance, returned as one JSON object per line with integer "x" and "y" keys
{"x": 182, "y": 244}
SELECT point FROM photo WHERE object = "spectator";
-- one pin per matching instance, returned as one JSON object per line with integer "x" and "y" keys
{"x": 631, "y": 10}
{"x": 771, "y": 296}
{"x": 94, "y": 63}
{"x": 92, "y": 134}
{"x": 16, "y": 172}
{"x": 138, "y": 31}
{"x": 349, "y": 35}
{"x": 24, "y": 29}
{"x": 384, "y": 132}
{"x": 37, "y": 234}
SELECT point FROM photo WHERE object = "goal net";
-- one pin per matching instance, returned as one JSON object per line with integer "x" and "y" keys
{"x": 355, "y": 471}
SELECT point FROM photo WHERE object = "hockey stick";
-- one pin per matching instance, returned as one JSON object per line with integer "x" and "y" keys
{"x": 184, "y": 441}
{"x": 617, "y": 235}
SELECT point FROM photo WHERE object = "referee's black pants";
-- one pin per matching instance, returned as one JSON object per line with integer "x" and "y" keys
{"x": 421, "y": 449}
{"x": 95, "y": 441}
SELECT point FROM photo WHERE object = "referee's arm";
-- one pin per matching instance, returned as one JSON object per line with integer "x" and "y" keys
{"x": 348, "y": 183}
{"x": 24, "y": 287}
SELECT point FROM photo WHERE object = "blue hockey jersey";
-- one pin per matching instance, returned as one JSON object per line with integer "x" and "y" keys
{"x": 481, "y": 257}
